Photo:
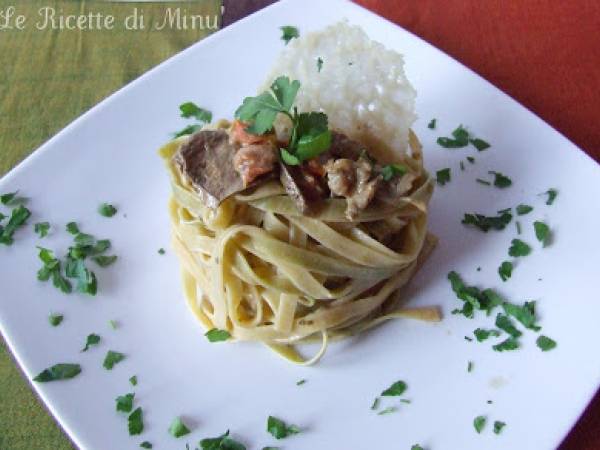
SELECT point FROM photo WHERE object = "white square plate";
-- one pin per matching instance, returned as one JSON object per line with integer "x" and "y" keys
{"x": 109, "y": 154}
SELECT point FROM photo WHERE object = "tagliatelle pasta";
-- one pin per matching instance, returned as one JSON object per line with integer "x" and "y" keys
{"x": 261, "y": 270}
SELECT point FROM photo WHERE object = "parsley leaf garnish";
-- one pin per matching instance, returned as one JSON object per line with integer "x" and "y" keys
{"x": 135, "y": 422}
{"x": 506, "y": 345}
{"x": 61, "y": 371}
{"x": 545, "y": 343}
{"x": 552, "y": 194}
{"x": 505, "y": 324}
{"x": 498, "y": 425}
{"x": 390, "y": 171}
{"x": 319, "y": 64}
{"x": 107, "y": 210}
{"x": 479, "y": 423}
{"x": 178, "y": 428}
{"x": 52, "y": 269}
{"x": 431, "y": 124}
{"x": 191, "y": 110}
{"x": 519, "y": 248}
{"x": 42, "y": 228}
{"x": 524, "y": 209}
{"x": 482, "y": 334}
{"x": 55, "y": 319}
{"x": 542, "y": 232}
{"x": 124, "y": 403}
{"x": 395, "y": 389}
{"x": 216, "y": 335}
{"x": 111, "y": 359}
{"x": 500, "y": 180}
{"x": 443, "y": 176}
{"x": 505, "y": 270}
{"x": 279, "y": 429}
{"x": 92, "y": 339}
{"x": 18, "y": 217}
{"x": 223, "y": 442}
{"x": 288, "y": 33}
{"x": 485, "y": 223}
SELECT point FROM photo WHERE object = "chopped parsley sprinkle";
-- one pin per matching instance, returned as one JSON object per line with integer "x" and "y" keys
{"x": 288, "y": 33}
{"x": 223, "y": 442}
{"x": 485, "y": 223}
{"x": 319, "y": 64}
{"x": 471, "y": 159}
{"x": 500, "y": 180}
{"x": 525, "y": 314}
{"x": 460, "y": 138}
{"x": 519, "y": 248}
{"x": 133, "y": 380}
{"x": 279, "y": 429}
{"x": 375, "y": 404}
{"x": 92, "y": 339}
{"x": 103, "y": 260}
{"x": 42, "y": 228}
{"x": 506, "y": 345}
{"x": 111, "y": 359}
{"x": 505, "y": 324}
{"x": 393, "y": 170}
{"x": 405, "y": 400}
{"x": 552, "y": 194}
{"x": 443, "y": 176}
{"x": 18, "y": 217}
{"x": 470, "y": 366}
{"x": 524, "y": 209}
{"x": 431, "y": 124}
{"x": 473, "y": 298}
{"x": 178, "y": 428}
{"x": 113, "y": 324}
{"x": 107, "y": 210}
{"x": 498, "y": 426}
{"x": 72, "y": 228}
{"x": 189, "y": 110}
{"x": 146, "y": 444}
{"x": 216, "y": 335}
{"x": 483, "y": 334}
{"x": 124, "y": 403}
{"x": 505, "y": 270}
{"x": 482, "y": 181}
{"x": 388, "y": 410}
{"x": 479, "y": 144}
{"x": 545, "y": 343}
{"x": 300, "y": 382}
{"x": 416, "y": 447}
{"x": 135, "y": 422}
{"x": 61, "y": 371}
{"x": 468, "y": 339}
{"x": 479, "y": 423}
{"x": 52, "y": 269}
{"x": 518, "y": 226}
{"x": 161, "y": 251}
{"x": 7, "y": 199}
{"x": 55, "y": 319}
{"x": 542, "y": 232}
{"x": 395, "y": 389}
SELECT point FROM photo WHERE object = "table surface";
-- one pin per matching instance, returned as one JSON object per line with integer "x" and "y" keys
{"x": 545, "y": 54}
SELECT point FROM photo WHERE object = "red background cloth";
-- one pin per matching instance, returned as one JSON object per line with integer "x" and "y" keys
{"x": 543, "y": 53}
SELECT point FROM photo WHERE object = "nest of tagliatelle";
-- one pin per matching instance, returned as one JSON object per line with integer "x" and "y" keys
{"x": 304, "y": 216}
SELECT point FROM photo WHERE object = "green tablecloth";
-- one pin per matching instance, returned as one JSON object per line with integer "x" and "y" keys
{"x": 48, "y": 77}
